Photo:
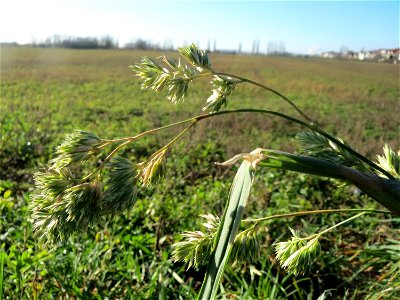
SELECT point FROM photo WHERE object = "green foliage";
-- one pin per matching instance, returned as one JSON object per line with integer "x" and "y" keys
{"x": 21, "y": 144}
{"x": 47, "y": 92}
{"x": 263, "y": 281}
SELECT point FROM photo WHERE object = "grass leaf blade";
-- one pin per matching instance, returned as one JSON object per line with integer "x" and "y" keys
{"x": 385, "y": 191}
{"x": 227, "y": 230}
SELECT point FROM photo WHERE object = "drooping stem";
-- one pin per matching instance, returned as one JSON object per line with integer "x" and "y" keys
{"x": 310, "y": 126}
{"x": 180, "y": 134}
{"x": 270, "y": 112}
{"x": 172, "y": 141}
{"x": 291, "y": 103}
{"x": 319, "y": 234}
{"x": 208, "y": 71}
{"x": 131, "y": 139}
{"x": 154, "y": 130}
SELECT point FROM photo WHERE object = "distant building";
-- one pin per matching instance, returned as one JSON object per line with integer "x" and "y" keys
{"x": 330, "y": 54}
{"x": 381, "y": 55}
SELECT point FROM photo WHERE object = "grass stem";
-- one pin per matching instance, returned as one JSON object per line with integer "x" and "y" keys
{"x": 291, "y": 103}
{"x": 314, "y": 212}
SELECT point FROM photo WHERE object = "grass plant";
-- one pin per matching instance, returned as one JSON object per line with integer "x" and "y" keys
{"x": 86, "y": 183}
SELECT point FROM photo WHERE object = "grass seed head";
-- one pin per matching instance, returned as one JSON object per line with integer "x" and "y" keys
{"x": 198, "y": 58}
{"x": 55, "y": 218}
{"x": 153, "y": 169}
{"x": 297, "y": 255}
{"x": 390, "y": 161}
{"x": 121, "y": 183}
{"x": 78, "y": 146}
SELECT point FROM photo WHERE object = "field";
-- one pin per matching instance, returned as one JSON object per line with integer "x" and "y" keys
{"x": 47, "y": 93}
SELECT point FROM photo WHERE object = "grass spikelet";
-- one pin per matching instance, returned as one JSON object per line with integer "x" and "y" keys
{"x": 246, "y": 247}
{"x": 198, "y": 58}
{"x": 121, "y": 186}
{"x": 390, "y": 161}
{"x": 197, "y": 246}
{"x": 78, "y": 146}
{"x": 153, "y": 169}
{"x": 73, "y": 210}
{"x": 297, "y": 255}
{"x": 316, "y": 145}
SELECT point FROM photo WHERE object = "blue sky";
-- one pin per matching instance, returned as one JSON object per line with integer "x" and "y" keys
{"x": 303, "y": 26}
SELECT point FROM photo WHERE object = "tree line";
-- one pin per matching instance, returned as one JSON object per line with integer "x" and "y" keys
{"x": 73, "y": 42}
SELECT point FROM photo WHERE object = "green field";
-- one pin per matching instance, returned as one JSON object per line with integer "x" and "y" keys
{"x": 47, "y": 93}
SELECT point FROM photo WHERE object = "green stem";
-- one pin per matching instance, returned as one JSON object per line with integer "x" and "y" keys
{"x": 291, "y": 103}
{"x": 275, "y": 113}
{"x": 106, "y": 160}
{"x": 310, "y": 126}
{"x": 180, "y": 134}
{"x": 131, "y": 139}
{"x": 312, "y": 212}
{"x": 204, "y": 74}
{"x": 173, "y": 140}
{"x": 334, "y": 226}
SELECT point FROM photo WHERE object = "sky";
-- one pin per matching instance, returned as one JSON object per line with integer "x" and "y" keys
{"x": 305, "y": 27}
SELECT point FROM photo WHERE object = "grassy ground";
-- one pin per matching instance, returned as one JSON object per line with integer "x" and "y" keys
{"x": 46, "y": 93}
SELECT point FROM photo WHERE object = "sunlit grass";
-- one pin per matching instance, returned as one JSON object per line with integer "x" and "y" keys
{"x": 47, "y": 93}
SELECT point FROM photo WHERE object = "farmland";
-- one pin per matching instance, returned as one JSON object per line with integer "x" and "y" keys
{"x": 47, "y": 93}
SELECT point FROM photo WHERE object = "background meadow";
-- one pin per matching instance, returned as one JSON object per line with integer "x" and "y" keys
{"x": 47, "y": 93}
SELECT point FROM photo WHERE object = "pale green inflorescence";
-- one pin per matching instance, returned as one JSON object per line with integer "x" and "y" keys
{"x": 78, "y": 146}
{"x": 390, "y": 161}
{"x": 316, "y": 145}
{"x": 223, "y": 87}
{"x": 154, "y": 168}
{"x": 196, "y": 247}
{"x": 198, "y": 58}
{"x": 298, "y": 254}
{"x": 122, "y": 182}
{"x": 66, "y": 202}
{"x": 176, "y": 76}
